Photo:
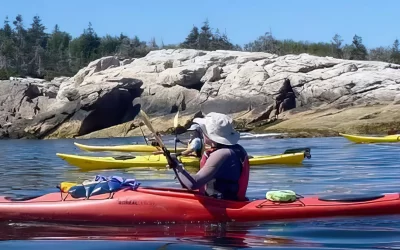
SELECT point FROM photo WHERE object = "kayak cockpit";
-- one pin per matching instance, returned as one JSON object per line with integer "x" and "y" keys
{"x": 351, "y": 197}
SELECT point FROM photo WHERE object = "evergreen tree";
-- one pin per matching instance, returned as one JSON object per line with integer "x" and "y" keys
{"x": 220, "y": 42}
{"x": 205, "y": 36}
{"x": 85, "y": 48}
{"x": 395, "y": 55}
{"x": 109, "y": 45}
{"x": 7, "y": 30}
{"x": 36, "y": 44}
{"x": 337, "y": 46}
{"x": 20, "y": 46}
{"x": 7, "y": 51}
{"x": 358, "y": 52}
{"x": 192, "y": 40}
{"x": 57, "y": 54}
{"x": 36, "y": 34}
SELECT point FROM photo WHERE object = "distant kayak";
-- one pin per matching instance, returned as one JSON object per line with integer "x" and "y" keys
{"x": 160, "y": 161}
{"x": 371, "y": 139}
{"x": 247, "y": 135}
{"x": 169, "y": 205}
{"x": 148, "y": 148}
{"x": 124, "y": 148}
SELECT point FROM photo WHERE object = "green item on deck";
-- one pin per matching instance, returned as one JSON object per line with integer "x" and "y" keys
{"x": 281, "y": 195}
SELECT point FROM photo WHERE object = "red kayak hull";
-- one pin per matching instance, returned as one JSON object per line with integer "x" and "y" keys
{"x": 155, "y": 205}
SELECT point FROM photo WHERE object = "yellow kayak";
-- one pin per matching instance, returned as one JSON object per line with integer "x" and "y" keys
{"x": 124, "y": 148}
{"x": 371, "y": 139}
{"x": 160, "y": 161}
{"x": 108, "y": 162}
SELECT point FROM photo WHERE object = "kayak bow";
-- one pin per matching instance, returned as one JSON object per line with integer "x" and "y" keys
{"x": 371, "y": 139}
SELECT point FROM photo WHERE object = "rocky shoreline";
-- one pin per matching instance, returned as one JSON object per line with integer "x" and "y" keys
{"x": 301, "y": 95}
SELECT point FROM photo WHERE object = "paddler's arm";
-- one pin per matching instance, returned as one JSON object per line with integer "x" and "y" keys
{"x": 186, "y": 152}
{"x": 195, "y": 144}
{"x": 206, "y": 173}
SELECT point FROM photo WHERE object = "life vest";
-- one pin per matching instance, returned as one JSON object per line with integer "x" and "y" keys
{"x": 200, "y": 151}
{"x": 243, "y": 180}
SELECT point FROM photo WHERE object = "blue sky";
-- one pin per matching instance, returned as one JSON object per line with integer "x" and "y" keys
{"x": 377, "y": 22}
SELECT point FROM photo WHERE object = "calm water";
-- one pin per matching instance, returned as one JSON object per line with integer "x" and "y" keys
{"x": 337, "y": 166}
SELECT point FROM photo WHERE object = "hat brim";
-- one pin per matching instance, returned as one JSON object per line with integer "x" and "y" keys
{"x": 227, "y": 140}
{"x": 192, "y": 128}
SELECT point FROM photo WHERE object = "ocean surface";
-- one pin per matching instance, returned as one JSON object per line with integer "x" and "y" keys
{"x": 30, "y": 167}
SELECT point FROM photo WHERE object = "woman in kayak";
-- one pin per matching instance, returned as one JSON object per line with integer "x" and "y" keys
{"x": 224, "y": 168}
{"x": 195, "y": 145}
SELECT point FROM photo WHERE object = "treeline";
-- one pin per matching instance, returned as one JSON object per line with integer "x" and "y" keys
{"x": 30, "y": 51}
{"x": 354, "y": 51}
{"x": 33, "y": 52}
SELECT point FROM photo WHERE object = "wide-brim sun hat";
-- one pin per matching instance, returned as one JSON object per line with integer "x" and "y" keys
{"x": 218, "y": 128}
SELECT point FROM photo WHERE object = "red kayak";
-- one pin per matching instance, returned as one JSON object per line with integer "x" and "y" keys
{"x": 146, "y": 204}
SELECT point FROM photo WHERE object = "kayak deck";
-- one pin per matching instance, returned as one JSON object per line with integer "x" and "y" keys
{"x": 160, "y": 161}
{"x": 123, "y": 148}
{"x": 371, "y": 139}
{"x": 155, "y": 205}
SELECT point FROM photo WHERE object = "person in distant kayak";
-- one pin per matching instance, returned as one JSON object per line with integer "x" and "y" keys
{"x": 195, "y": 145}
{"x": 224, "y": 168}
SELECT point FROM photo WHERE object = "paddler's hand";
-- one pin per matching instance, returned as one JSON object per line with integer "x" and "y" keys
{"x": 177, "y": 164}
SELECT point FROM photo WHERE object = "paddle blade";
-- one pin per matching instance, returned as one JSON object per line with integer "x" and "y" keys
{"x": 297, "y": 150}
{"x": 146, "y": 121}
{"x": 307, "y": 151}
{"x": 176, "y": 120}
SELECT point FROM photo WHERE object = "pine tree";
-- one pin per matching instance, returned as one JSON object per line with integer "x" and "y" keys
{"x": 109, "y": 45}
{"x": 7, "y": 51}
{"x": 395, "y": 55}
{"x": 205, "y": 36}
{"x": 20, "y": 46}
{"x": 36, "y": 43}
{"x": 85, "y": 48}
{"x": 192, "y": 40}
{"x": 358, "y": 52}
{"x": 337, "y": 46}
{"x": 57, "y": 54}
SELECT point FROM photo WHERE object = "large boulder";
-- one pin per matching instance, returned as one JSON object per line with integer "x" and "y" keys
{"x": 94, "y": 67}
{"x": 34, "y": 108}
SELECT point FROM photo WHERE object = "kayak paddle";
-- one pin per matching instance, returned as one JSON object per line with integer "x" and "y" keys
{"x": 296, "y": 150}
{"x": 176, "y": 126}
{"x": 307, "y": 151}
{"x": 167, "y": 154}
{"x": 144, "y": 137}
